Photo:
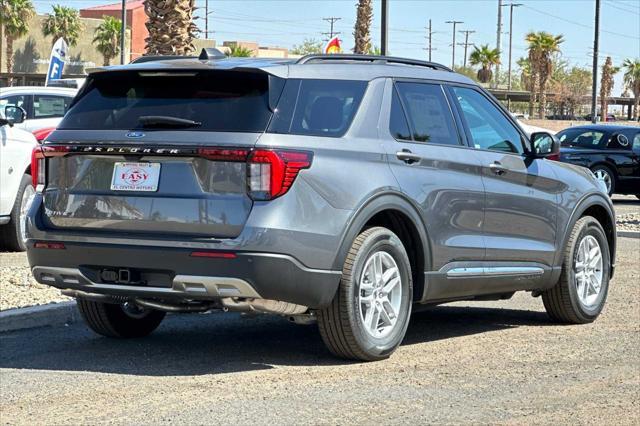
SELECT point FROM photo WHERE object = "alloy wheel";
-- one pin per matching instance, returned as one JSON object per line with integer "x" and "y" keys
{"x": 380, "y": 294}
{"x": 605, "y": 177}
{"x": 588, "y": 271}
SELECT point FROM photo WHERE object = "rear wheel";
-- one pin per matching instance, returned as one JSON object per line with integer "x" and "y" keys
{"x": 125, "y": 320}
{"x": 13, "y": 234}
{"x": 604, "y": 174}
{"x": 581, "y": 292}
{"x": 369, "y": 314}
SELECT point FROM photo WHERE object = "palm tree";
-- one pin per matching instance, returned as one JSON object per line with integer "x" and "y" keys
{"x": 542, "y": 46}
{"x": 107, "y": 38}
{"x": 632, "y": 81}
{"x": 606, "y": 85}
{"x": 361, "y": 32}
{"x": 486, "y": 58}
{"x": 64, "y": 23}
{"x": 171, "y": 27}
{"x": 15, "y": 16}
{"x": 239, "y": 51}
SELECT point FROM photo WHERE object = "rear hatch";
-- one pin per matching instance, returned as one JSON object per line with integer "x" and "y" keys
{"x": 158, "y": 152}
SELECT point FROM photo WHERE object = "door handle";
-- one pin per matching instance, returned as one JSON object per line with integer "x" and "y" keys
{"x": 408, "y": 156}
{"x": 497, "y": 168}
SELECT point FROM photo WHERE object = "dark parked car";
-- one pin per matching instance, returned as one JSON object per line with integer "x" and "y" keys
{"x": 340, "y": 188}
{"x": 611, "y": 152}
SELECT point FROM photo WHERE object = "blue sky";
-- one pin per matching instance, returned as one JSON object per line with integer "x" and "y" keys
{"x": 285, "y": 23}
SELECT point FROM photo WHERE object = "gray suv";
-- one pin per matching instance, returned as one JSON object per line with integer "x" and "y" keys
{"x": 340, "y": 189}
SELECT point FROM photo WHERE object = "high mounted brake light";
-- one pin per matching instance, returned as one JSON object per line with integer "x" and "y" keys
{"x": 272, "y": 172}
{"x": 38, "y": 164}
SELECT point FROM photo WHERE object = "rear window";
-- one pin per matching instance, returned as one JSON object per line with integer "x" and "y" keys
{"x": 317, "y": 107}
{"x": 582, "y": 138}
{"x": 221, "y": 100}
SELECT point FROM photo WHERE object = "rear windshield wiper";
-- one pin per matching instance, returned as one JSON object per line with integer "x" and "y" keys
{"x": 165, "y": 121}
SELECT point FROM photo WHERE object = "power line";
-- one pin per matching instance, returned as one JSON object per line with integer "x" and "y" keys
{"x": 612, "y": 4}
{"x": 331, "y": 22}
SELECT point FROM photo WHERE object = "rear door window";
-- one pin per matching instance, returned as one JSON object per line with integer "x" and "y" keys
{"x": 428, "y": 114}
{"x": 317, "y": 107}
{"x": 581, "y": 138}
{"x": 49, "y": 106}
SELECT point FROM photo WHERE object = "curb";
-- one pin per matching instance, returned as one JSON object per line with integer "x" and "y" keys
{"x": 39, "y": 316}
{"x": 628, "y": 234}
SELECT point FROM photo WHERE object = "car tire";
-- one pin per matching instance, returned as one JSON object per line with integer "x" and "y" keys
{"x": 604, "y": 172}
{"x": 11, "y": 233}
{"x": 581, "y": 292}
{"x": 369, "y": 314}
{"x": 119, "y": 320}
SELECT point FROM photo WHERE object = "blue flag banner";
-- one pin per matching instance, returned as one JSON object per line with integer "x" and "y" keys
{"x": 57, "y": 60}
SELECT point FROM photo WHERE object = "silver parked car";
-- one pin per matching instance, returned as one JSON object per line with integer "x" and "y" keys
{"x": 344, "y": 189}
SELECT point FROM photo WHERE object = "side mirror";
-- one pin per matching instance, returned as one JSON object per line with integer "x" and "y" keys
{"x": 14, "y": 114}
{"x": 545, "y": 145}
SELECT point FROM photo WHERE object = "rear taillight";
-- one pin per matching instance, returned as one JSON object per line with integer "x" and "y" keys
{"x": 272, "y": 172}
{"x": 50, "y": 246}
{"x": 38, "y": 162}
{"x": 553, "y": 157}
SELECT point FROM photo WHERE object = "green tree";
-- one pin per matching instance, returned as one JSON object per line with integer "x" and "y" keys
{"x": 308, "y": 47}
{"x": 374, "y": 50}
{"x": 239, "y": 51}
{"x": 171, "y": 27}
{"x": 466, "y": 71}
{"x": 632, "y": 82}
{"x": 542, "y": 46}
{"x": 107, "y": 38}
{"x": 486, "y": 58}
{"x": 15, "y": 15}
{"x": 362, "y": 29}
{"x": 63, "y": 23}
{"x": 569, "y": 85}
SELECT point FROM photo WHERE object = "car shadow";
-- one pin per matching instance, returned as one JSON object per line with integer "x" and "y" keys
{"x": 187, "y": 345}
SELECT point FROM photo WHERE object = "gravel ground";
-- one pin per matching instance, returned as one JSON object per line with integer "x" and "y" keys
{"x": 18, "y": 288}
{"x": 465, "y": 363}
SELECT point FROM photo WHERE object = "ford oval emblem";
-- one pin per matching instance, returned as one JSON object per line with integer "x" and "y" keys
{"x": 135, "y": 135}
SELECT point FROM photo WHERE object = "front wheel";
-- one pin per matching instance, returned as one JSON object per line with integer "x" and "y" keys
{"x": 581, "y": 292}
{"x": 124, "y": 320}
{"x": 369, "y": 314}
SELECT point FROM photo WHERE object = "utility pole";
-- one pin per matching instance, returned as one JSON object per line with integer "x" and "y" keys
{"x": 429, "y": 34}
{"x": 384, "y": 26}
{"x": 511, "y": 6}
{"x": 123, "y": 30}
{"x": 594, "y": 83}
{"x": 206, "y": 18}
{"x": 453, "y": 53}
{"x": 466, "y": 43}
{"x": 331, "y": 21}
{"x": 498, "y": 40}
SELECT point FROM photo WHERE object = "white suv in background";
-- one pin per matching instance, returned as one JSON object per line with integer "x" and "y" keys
{"x": 43, "y": 106}
{"x": 16, "y": 190}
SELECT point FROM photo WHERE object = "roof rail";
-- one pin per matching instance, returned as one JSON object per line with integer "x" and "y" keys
{"x": 374, "y": 59}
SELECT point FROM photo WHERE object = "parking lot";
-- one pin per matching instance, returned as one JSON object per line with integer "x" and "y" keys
{"x": 491, "y": 362}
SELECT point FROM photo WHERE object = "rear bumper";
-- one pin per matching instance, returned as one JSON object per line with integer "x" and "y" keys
{"x": 181, "y": 276}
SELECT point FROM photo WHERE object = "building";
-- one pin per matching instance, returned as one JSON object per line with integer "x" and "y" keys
{"x": 136, "y": 19}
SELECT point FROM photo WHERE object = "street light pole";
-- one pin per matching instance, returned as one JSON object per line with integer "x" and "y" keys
{"x": 123, "y": 30}
{"x": 453, "y": 53}
{"x": 384, "y": 42}
{"x": 511, "y": 6}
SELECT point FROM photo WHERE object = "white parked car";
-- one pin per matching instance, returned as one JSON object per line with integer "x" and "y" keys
{"x": 16, "y": 190}
{"x": 43, "y": 106}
